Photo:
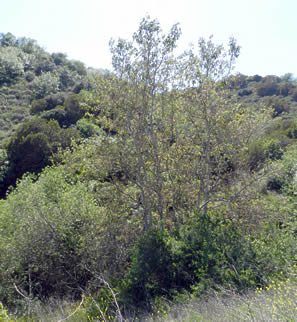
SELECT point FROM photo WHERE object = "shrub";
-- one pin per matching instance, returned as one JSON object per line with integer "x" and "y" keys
{"x": 87, "y": 128}
{"x": 272, "y": 149}
{"x": 73, "y": 108}
{"x": 208, "y": 251}
{"x": 38, "y": 106}
{"x": 151, "y": 269}
{"x": 55, "y": 100}
{"x": 268, "y": 86}
{"x": 59, "y": 114}
{"x": 35, "y": 142}
{"x": 212, "y": 252}
{"x": 45, "y": 84}
{"x": 45, "y": 227}
{"x": 245, "y": 92}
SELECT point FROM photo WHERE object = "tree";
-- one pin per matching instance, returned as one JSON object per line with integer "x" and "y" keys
{"x": 11, "y": 65}
{"x": 45, "y": 84}
{"x": 217, "y": 130}
{"x": 7, "y": 40}
{"x": 143, "y": 73}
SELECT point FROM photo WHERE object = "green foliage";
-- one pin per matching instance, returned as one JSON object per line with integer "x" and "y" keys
{"x": 34, "y": 143}
{"x": 44, "y": 236}
{"x": 261, "y": 151}
{"x": 87, "y": 128}
{"x": 73, "y": 108}
{"x": 279, "y": 104}
{"x": 291, "y": 131}
{"x": 38, "y": 106}
{"x": 208, "y": 251}
{"x": 55, "y": 100}
{"x": 7, "y": 40}
{"x": 4, "y": 314}
{"x": 151, "y": 270}
{"x": 59, "y": 114}
{"x": 45, "y": 84}
{"x": 212, "y": 252}
{"x": 28, "y": 73}
{"x": 102, "y": 305}
{"x": 11, "y": 65}
{"x": 272, "y": 149}
{"x": 3, "y": 164}
{"x": 275, "y": 249}
{"x": 165, "y": 137}
{"x": 283, "y": 179}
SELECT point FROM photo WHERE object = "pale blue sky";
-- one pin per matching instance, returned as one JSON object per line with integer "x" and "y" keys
{"x": 265, "y": 29}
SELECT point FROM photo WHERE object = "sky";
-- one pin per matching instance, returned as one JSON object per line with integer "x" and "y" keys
{"x": 266, "y": 30}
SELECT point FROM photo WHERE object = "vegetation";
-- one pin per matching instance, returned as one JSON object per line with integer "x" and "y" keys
{"x": 166, "y": 179}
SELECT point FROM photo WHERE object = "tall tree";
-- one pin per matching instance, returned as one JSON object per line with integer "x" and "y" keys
{"x": 143, "y": 73}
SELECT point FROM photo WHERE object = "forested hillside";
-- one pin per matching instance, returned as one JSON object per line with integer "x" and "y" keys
{"x": 162, "y": 179}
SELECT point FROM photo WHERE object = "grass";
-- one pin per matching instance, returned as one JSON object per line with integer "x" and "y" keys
{"x": 276, "y": 302}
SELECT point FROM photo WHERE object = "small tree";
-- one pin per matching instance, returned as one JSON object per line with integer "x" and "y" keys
{"x": 216, "y": 129}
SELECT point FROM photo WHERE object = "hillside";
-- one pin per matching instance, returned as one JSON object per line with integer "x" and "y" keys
{"x": 35, "y": 87}
{"x": 164, "y": 179}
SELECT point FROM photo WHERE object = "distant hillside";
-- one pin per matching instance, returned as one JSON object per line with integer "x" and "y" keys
{"x": 278, "y": 92}
{"x": 39, "y": 106}
{"x": 29, "y": 74}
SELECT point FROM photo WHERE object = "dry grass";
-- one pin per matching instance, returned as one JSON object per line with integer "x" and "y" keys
{"x": 277, "y": 302}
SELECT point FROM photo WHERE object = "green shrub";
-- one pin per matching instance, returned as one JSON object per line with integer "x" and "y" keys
{"x": 208, "y": 251}
{"x": 87, "y": 128}
{"x": 272, "y": 149}
{"x": 35, "y": 142}
{"x": 212, "y": 251}
{"x": 151, "y": 269}
{"x": 45, "y": 228}
{"x": 59, "y": 114}
{"x": 38, "y": 106}
{"x": 73, "y": 108}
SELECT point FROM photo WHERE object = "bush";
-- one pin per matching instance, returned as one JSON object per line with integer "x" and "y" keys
{"x": 268, "y": 86}
{"x": 59, "y": 114}
{"x": 245, "y": 92}
{"x": 208, "y": 251}
{"x": 55, "y": 100}
{"x": 292, "y": 131}
{"x": 73, "y": 108}
{"x": 272, "y": 149}
{"x": 11, "y": 65}
{"x": 87, "y": 128}
{"x": 294, "y": 94}
{"x": 45, "y": 228}
{"x": 151, "y": 270}
{"x": 45, "y": 84}
{"x": 213, "y": 252}
{"x": 3, "y": 314}
{"x": 35, "y": 142}
{"x": 38, "y": 106}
